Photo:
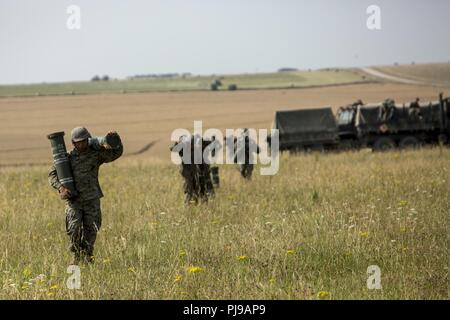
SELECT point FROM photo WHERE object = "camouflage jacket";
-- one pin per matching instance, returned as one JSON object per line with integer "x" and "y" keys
{"x": 85, "y": 171}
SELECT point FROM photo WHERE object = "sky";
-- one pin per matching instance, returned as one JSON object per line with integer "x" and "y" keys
{"x": 123, "y": 38}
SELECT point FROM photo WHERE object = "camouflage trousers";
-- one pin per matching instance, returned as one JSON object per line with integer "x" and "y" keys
{"x": 197, "y": 183}
{"x": 190, "y": 184}
{"x": 246, "y": 170}
{"x": 206, "y": 184}
{"x": 83, "y": 220}
{"x": 215, "y": 176}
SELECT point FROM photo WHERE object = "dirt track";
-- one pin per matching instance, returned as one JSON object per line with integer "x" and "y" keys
{"x": 145, "y": 121}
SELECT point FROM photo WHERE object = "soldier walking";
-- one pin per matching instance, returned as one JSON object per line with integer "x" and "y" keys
{"x": 215, "y": 169}
{"x": 188, "y": 170}
{"x": 83, "y": 212}
{"x": 245, "y": 155}
{"x": 197, "y": 177}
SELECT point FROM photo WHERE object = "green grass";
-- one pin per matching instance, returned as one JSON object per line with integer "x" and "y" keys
{"x": 192, "y": 83}
{"x": 315, "y": 226}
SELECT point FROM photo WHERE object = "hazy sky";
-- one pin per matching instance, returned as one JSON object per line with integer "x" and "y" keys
{"x": 122, "y": 38}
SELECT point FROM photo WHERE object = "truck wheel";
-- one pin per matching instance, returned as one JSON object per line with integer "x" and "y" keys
{"x": 383, "y": 144}
{"x": 409, "y": 142}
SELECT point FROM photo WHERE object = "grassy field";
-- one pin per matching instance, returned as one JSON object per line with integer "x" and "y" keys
{"x": 309, "y": 232}
{"x": 149, "y": 118}
{"x": 433, "y": 73}
{"x": 190, "y": 83}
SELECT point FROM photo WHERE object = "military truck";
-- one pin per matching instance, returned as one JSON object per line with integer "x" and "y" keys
{"x": 379, "y": 126}
{"x": 389, "y": 125}
{"x": 307, "y": 129}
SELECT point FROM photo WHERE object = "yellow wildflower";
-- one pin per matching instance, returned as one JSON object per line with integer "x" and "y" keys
{"x": 323, "y": 294}
{"x": 26, "y": 272}
{"x": 364, "y": 234}
{"x": 242, "y": 258}
{"x": 194, "y": 269}
{"x": 54, "y": 287}
{"x": 182, "y": 253}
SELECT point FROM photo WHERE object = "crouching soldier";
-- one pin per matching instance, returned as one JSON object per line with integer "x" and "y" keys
{"x": 83, "y": 214}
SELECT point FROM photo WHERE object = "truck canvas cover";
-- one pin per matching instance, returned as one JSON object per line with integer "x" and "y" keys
{"x": 306, "y": 126}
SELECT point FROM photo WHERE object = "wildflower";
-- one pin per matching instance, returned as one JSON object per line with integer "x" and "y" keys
{"x": 403, "y": 203}
{"x": 131, "y": 270}
{"x": 182, "y": 253}
{"x": 177, "y": 278}
{"x": 194, "y": 269}
{"x": 290, "y": 251}
{"x": 364, "y": 234}
{"x": 242, "y": 258}
{"x": 26, "y": 272}
{"x": 54, "y": 287}
{"x": 323, "y": 294}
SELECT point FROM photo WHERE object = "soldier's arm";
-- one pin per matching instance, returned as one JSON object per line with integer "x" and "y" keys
{"x": 53, "y": 178}
{"x": 109, "y": 155}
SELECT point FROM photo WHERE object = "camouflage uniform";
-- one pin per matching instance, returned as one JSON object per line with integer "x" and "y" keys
{"x": 206, "y": 185}
{"x": 189, "y": 173}
{"x": 83, "y": 214}
{"x": 215, "y": 169}
{"x": 246, "y": 168}
{"x": 197, "y": 177}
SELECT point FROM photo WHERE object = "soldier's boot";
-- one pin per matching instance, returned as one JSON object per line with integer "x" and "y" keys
{"x": 75, "y": 249}
{"x": 87, "y": 256}
{"x": 76, "y": 258}
{"x": 189, "y": 199}
{"x": 90, "y": 258}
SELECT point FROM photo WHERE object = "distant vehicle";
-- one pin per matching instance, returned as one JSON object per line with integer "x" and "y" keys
{"x": 307, "y": 129}
{"x": 381, "y": 126}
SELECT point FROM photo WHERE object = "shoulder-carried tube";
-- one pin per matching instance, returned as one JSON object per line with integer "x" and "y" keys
{"x": 61, "y": 161}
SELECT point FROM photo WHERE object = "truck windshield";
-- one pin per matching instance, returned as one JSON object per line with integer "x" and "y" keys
{"x": 345, "y": 117}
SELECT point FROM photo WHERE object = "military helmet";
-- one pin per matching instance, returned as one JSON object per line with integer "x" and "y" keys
{"x": 79, "y": 134}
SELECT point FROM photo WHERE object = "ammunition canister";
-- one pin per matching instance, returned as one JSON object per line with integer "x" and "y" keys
{"x": 110, "y": 141}
{"x": 61, "y": 161}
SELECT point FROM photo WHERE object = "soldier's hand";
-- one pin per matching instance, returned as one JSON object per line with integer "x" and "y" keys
{"x": 112, "y": 133}
{"x": 64, "y": 193}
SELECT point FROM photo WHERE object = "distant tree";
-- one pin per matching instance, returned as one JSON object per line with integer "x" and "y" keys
{"x": 287, "y": 70}
{"x": 95, "y": 78}
{"x": 232, "y": 87}
{"x": 105, "y": 78}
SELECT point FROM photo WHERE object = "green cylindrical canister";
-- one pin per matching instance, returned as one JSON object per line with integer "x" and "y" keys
{"x": 112, "y": 141}
{"x": 61, "y": 161}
